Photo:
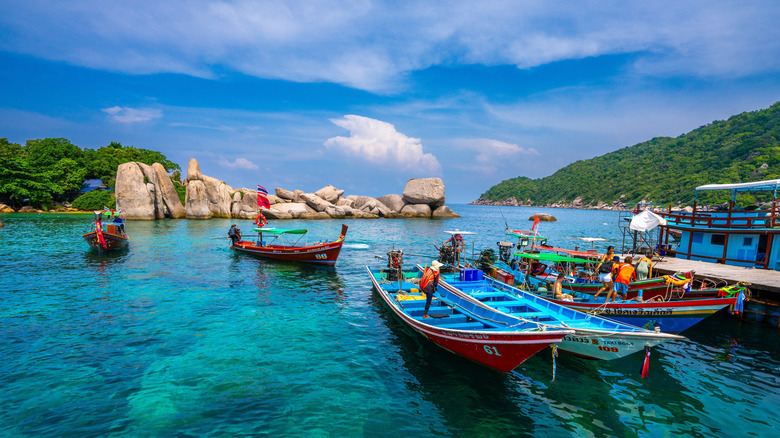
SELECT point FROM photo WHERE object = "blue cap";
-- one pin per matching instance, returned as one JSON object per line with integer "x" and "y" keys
{"x": 616, "y": 259}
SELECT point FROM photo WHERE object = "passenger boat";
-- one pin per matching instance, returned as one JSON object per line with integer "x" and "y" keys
{"x": 748, "y": 237}
{"x": 323, "y": 253}
{"x": 107, "y": 236}
{"x": 594, "y": 337}
{"x": 469, "y": 330}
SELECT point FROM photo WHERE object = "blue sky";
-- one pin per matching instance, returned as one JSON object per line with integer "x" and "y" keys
{"x": 365, "y": 94}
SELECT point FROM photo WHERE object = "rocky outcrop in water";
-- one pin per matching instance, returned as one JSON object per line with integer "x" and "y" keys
{"x": 146, "y": 192}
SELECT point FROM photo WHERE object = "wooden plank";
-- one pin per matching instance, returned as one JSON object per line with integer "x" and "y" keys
{"x": 761, "y": 279}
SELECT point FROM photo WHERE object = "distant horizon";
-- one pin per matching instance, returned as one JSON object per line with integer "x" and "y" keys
{"x": 365, "y": 95}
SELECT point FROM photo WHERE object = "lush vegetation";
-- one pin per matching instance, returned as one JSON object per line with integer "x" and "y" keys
{"x": 744, "y": 148}
{"x": 49, "y": 170}
{"x": 95, "y": 200}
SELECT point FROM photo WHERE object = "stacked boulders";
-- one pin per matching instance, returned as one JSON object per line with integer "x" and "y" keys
{"x": 146, "y": 192}
{"x": 423, "y": 197}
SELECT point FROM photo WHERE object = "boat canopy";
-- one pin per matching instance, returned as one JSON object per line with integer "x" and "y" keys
{"x": 462, "y": 233}
{"x": 571, "y": 252}
{"x": 282, "y": 230}
{"x": 756, "y": 186}
{"x": 525, "y": 234}
{"x": 646, "y": 221}
{"x": 551, "y": 258}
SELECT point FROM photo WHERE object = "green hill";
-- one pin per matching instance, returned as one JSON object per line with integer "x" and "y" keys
{"x": 744, "y": 148}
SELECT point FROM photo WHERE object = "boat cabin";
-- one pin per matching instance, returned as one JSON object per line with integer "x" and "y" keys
{"x": 733, "y": 236}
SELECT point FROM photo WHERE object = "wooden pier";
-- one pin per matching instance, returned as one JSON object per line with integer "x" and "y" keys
{"x": 765, "y": 283}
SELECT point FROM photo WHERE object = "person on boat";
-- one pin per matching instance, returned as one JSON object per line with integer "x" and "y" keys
{"x": 429, "y": 283}
{"x": 625, "y": 273}
{"x": 457, "y": 246}
{"x": 120, "y": 223}
{"x": 557, "y": 289}
{"x": 537, "y": 268}
{"x": 604, "y": 270}
{"x": 644, "y": 269}
{"x": 234, "y": 234}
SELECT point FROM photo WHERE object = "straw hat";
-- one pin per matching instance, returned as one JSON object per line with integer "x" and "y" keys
{"x": 435, "y": 265}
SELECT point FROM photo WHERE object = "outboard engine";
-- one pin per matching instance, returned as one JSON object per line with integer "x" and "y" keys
{"x": 395, "y": 264}
{"x": 486, "y": 260}
{"x": 505, "y": 251}
{"x": 447, "y": 255}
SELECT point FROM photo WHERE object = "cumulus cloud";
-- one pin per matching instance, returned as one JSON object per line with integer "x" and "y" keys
{"x": 490, "y": 150}
{"x": 378, "y": 142}
{"x": 357, "y": 43}
{"x": 132, "y": 115}
{"x": 238, "y": 163}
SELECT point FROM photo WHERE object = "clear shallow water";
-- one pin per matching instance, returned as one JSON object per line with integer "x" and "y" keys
{"x": 180, "y": 336}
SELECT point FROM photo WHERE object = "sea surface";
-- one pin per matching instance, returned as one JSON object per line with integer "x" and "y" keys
{"x": 179, "y": 336}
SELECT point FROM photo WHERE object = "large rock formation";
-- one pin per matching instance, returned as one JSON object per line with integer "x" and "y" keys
{"x": 210, "y": 198}
{"x": 425, "y": 191}
{"x": 146, "y": 192}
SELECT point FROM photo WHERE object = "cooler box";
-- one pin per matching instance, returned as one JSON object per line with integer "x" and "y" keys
{"x": 470, "y": 274}
{"x": 505, "y": 277}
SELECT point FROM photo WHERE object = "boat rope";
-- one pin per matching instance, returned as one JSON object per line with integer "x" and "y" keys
{"x": 554, "y": 355}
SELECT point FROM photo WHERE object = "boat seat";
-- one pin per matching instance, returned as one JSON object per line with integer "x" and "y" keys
{"x": 528, "y": 315}
{"x": 419, "y": 310}
{"x": 464, "y": 326}
{"x": 443, "y": 322}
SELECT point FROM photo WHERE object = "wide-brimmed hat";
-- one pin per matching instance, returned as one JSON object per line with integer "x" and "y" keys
{"x": 435, "y": 265}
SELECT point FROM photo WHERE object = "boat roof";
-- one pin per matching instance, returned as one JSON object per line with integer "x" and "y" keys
{"x": 571, "y": 252}
{"x": 462, "y": 233}
{"x": 768, "y": 185}
{"x": 552, "y": 258}
{"x": 521, "y": 233}
{"x": 282, "y": 230}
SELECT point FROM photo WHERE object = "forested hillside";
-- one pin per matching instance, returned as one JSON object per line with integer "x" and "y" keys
{"x": 45, "y": 171}
{"x": 744, "y": 148}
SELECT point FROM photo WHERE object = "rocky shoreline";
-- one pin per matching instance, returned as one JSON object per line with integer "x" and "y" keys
{"x": 146, "y": 192}
{"x": 618, "y": 205}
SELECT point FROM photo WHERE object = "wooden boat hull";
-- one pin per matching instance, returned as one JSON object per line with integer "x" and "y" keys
{"x": 113, "y": 241}
{"x": 670, "y": 316}
{"x": 502, "y": 350}
{"x": 593, "y": 337}
{"x": 324, "y": 254}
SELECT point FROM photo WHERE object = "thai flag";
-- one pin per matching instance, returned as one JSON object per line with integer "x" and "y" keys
{"x": 262, "y": 197}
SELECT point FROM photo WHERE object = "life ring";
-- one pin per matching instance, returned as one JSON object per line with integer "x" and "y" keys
{"x": 257, "y": 220}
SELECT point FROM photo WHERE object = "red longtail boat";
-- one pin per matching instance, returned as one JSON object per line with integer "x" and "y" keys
{"x": 323, "y": 253}
{"x": 106, "y": 237}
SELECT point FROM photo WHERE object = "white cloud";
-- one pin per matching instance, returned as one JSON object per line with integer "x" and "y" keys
{"x": 132, "y": 115}
{"x": 239, "y": 163}
{"x": 378, "y": 142}
{"x": 372, "y": 45}
{"x": 490, "y": 150}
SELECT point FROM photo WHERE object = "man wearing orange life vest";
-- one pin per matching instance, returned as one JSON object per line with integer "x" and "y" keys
{"x": 429, "y": 283}
{"x": 625, "y": 274}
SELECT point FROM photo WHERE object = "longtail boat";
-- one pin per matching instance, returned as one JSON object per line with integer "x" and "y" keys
{"x": 670, "y": 316}
{"x": 324, "y": 253}
{"x": 106, "y": 236}
{"x": 459, "y": 325}
{"x": 594, "y": 337}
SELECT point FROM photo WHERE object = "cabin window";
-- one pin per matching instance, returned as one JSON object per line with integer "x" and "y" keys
{"x": 718, "y": 239}
{"x": 747, "y": 241}
{"x": 697, "y": 237}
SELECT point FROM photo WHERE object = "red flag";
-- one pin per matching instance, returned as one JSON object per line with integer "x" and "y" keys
{"x": 262, "y": 200}
{"x": 536, "y": 222}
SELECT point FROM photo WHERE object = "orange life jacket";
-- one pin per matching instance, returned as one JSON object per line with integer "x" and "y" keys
{"x": 428, "y": 276}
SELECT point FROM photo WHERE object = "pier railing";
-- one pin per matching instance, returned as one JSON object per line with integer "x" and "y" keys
{"x": 738, "y": 220}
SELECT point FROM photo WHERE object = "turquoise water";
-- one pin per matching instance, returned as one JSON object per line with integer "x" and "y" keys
{"x": 179, "y": 336}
